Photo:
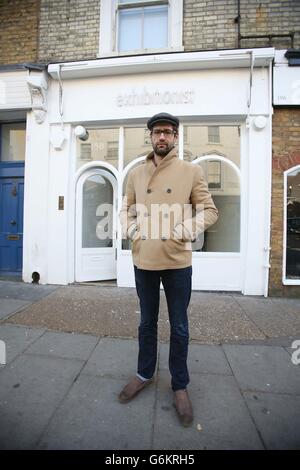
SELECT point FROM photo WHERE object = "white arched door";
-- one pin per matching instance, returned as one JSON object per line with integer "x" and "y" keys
{"x": 96, "y": 205}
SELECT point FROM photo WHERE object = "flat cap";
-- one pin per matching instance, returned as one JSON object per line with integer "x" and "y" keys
{"x": 162, "y": 117}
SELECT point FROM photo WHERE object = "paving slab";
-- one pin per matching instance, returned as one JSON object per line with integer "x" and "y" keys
{"x": 113, "y": 357}
{"x": 284, "y": 341}
{"x": 91, "y": 418}
{"x": 263, "y": 368}
{"x": 31, "y": 388}
{"x": 100, "y": 311}
{"x": 66, "y": 345}
{"x": 290, "y": 305}
{"x": 10, "y": 306}
{"x": 113, "y": 311}
{"x": 277, "y": 417}
{"x": 273, "y": 317}
{"x": 204, "y": 359}
{"x": 25, "y": 291}
{"x": 17, "y": 339}
{"x": 221, "y": 417}
{"x": 219, "y": 318}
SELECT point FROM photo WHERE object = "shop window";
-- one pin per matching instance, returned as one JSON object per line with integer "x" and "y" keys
{"x": 147, "y": 138}
{"x": 126, "y": 243}
{"x": 196, "y": 143}
{"x": 13, "y": 141}
{"x": 102, "y": 145}
{"x": 137, "y": 143}
{"x": 185, "y": 135}
{"x": 222, "y": 174}
{"x": 213, "y": 134}
{"x": 140, "y": 25}
{"x": 224, "y": 235}
{"x": 291, "y": 255}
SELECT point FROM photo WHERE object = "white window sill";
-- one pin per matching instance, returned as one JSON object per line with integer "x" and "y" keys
{"x": 140, "y": 52}
{"x": 291, "y": 282}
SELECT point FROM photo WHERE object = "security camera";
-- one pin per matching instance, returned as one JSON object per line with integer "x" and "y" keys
{"x": 81, "y": 133}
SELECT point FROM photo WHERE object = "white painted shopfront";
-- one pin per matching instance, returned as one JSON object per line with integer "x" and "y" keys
{"x": 224, "y": 103}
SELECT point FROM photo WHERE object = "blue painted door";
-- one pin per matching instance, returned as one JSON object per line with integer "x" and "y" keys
{"x": 11, "y": 225}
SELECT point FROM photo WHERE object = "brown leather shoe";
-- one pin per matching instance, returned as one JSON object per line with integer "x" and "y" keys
{"x": 132, "y": 389}
{"x": 183, "y": 407}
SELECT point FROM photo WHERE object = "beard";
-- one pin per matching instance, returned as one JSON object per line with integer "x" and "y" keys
{"x": 162, "y": 149}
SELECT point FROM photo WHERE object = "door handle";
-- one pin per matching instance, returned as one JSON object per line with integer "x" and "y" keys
{"x": 13, "y": 222}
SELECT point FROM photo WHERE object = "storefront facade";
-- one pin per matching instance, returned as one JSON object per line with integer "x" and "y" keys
{"x": 224, "y": 103}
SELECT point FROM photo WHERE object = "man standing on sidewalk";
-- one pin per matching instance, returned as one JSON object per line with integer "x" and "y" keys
{"x": 167, "y": 206}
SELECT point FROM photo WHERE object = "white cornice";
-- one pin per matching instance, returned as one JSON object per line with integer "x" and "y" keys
{"x": 236, "y": 58}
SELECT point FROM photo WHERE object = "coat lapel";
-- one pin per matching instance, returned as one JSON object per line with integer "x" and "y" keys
{"x": 153, "y": 170}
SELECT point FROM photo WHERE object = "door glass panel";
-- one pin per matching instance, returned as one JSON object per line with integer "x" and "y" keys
{"x": 97, "y": 212}
{"x": 102, "y": 145}
{"x": 13, "y": 141}
{"x": 293, "y": 225}
{"x": 137, "y": 143}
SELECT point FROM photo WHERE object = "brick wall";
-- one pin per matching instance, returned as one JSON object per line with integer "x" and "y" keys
{"x": 69, "y": 30}
{"x": 18, "y": 31}
{"x": 210, "y": 24}
{"x": 286, "y": 154}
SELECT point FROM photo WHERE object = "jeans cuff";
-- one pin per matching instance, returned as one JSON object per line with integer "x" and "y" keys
{"x": 142, "y": 378}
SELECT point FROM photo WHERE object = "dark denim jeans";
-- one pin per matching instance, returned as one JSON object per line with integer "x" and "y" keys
{"x": 177, "y": 286}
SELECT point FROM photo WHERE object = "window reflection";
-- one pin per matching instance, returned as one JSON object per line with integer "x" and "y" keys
{"x": 223, "y": 144}
{"x": 293, "y": 225}
{"x": 97, "y": 217}
{"x": 126, "y": 243}
{"x": 102, "y": 145}
{"x": 137, "y": 143}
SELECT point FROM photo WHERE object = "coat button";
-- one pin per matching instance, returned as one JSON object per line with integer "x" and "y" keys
{"x": 149, "y": 191}
{"x": 169, "y": 190}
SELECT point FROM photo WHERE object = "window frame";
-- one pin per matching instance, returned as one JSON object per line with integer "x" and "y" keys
{"x": 211, "y": 135}
{"x": 108, "y": 37}
{"x": 219, "y": 174}
{"x": 286, "y": 281}
{"x": 11, "y": 123}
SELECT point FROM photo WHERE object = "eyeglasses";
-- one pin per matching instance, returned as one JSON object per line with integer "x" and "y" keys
{"x": 165, "y": 132}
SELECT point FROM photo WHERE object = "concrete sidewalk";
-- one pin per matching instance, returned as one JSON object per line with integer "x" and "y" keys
{"x": 71, "y": 349}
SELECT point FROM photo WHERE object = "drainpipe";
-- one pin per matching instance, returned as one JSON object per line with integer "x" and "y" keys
{"x": 61, "y": 98}
{"x": 238, "y": 21}
{"x": 267, "y": 247}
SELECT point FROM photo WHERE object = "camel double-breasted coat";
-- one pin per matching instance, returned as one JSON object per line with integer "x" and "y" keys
{"x": 165, "y": 208}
